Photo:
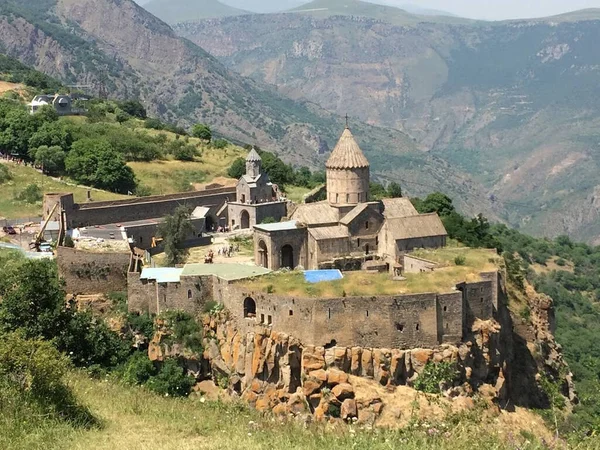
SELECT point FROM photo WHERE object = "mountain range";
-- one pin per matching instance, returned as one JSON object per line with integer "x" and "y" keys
{"x": 513, "y": 104}
{"x": 501, "y": 116}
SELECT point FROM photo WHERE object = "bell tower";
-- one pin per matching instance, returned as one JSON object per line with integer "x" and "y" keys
{"x": 253, "y": 164}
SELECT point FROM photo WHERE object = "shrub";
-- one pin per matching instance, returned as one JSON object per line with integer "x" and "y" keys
{"x": 5, "y": 174}
{"x": 69, "y": 242}
{"x": 141, "y": 323}
{"x": 435, "y": 374}
{"x": 31, "y": 194}
{"x": 561, "y": 262}
{"x": 220, "y": 143}
{"x": 185, "y": 153}
{"x": 171, "y": 380}
{"x": 267, "y": 220}
{"x": 202, "y": 131}
{"x": 138, "y": 369}
{"x": 460, "y": 260}
{"x": 186, "y": 330}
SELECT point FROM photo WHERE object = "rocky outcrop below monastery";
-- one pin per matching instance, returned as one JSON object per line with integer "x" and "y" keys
{"x": 506, "y": 362}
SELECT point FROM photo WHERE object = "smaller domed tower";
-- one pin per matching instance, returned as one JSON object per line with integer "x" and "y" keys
{"x": 348, "y": 173}
{"x": 253, "y": 164}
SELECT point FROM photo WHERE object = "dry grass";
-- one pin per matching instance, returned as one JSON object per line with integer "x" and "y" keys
{"x": 23, "y": 176}
{"x": 551, "y": 266}
{"x": 132, "y": 419}
{"x": 296, "y": 193}
{"x": 443, "y": 279}
{"x": 172, "y": 176}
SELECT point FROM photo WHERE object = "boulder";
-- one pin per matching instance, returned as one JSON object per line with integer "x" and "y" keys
{"x": 312, "y": 386}
{"x": 349, "y": 410}
{"x": 419, "y": 358}
{"x": 313, "y": 358}
{"x": 366, "y": 363}
{"x": 355, "y": 359}
{"x": 209, "y": 389}
{"x": 343, "y": 391}
{"x": 320, "y": 375}
{"x": 336, "y": 376}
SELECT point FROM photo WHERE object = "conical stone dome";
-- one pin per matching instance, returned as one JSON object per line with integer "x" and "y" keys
{"x": 253, "y": 156}
{"x": 348, "y": 173}
{"x": 347, "y": 154}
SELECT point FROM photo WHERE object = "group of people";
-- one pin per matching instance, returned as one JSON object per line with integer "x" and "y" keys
{"x": 227, "y": 251}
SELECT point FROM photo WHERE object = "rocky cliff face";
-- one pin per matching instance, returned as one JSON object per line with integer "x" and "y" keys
{"x": 506, "y": 364}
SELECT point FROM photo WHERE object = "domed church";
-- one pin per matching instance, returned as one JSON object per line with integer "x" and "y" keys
{"x": 347, "y": 229}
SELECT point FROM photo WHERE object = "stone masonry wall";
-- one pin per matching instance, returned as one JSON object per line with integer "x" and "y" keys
{"x": 101, "y": 213}
{"x": 92, "y": 273}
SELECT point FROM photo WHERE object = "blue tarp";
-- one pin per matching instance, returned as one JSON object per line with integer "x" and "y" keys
{"x": 316, "y": 276}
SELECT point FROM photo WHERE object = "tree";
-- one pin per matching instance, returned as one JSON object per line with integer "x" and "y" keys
{"x": 51, "y": 134}
{"x": 52, "y": 159}
{"x": 113, "y": 174}
{"x": 237, "y": 168}
{"x": 133, "y": 108}
{"x": 220, "y": 143}
{"x": 94, "y": 162}
{"x": 171, "y": 380}
{"x": 174, "y": 230}
{"x": 202, "y": 131}
{"x": 121, "y": 116}
{"x": 376, "y": 191}
{"x": 394, "y": 190}
{"x": 435, "y": 202}
{"x": 185, "y": 153}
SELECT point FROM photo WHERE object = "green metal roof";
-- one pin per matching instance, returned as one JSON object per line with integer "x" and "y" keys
{"x": 229, "y": 272}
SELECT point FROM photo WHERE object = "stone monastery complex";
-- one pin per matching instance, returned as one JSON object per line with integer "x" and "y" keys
{"x": 346, "y": 231}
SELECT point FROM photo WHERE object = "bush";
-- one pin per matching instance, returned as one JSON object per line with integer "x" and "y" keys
{"x": 139, "y": 369}
{"x": 202, "y": 131}
{"x": 237, "y": 168}
{"x": 185, "y": 153}
{"x": 460, "y": 260}
{"x": 171, "y": 380}
{"x": 185, "y": 329}
{"x": 5, "y": 174}
{"x": 434, "y": 375}
{"x": 31, "y": 194}
{"x": 69, "y": 242}
{"x": 220, "y": 143}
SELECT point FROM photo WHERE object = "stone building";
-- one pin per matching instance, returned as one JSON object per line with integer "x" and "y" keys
{"x": 256, "y": 197}
{"x": 347, "y": 228}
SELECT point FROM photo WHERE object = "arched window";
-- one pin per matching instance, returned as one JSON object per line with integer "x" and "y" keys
{"x": 189, "y": 294}
{"x": 367, "y": 225}
{"x": 249, "y": 308}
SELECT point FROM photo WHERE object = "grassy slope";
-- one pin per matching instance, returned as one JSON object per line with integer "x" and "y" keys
{"x": 132, "y": 419}
{"x": 23, "y": 176}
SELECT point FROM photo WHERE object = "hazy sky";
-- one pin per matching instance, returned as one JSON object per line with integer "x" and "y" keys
{"x": 477, "y": 9}
{"x": 502, "y": 9}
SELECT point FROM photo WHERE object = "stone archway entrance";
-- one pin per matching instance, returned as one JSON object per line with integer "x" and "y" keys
{"x": 249, "y": 308}
{"x": 244, "y": 220}
{"x": 263, "y": 254}
{"x": 287, "y": 256}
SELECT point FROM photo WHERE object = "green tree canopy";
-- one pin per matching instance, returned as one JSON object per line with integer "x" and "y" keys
{"x": 237, "y": 168}
{"x": 133, "y": 108}
{"x": 174, "y": 230}
{"x": 51, "y": 134}
{"x": 394, "y": 190}
{"x": 95, "y": 163}
{"x": 202, "y": 131}
{"x": 52, "y": 159}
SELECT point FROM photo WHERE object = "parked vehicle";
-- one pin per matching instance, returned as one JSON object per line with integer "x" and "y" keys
{"x": 9, "y": 230}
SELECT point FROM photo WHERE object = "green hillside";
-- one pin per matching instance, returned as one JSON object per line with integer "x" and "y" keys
{"x": 173, "y": 11}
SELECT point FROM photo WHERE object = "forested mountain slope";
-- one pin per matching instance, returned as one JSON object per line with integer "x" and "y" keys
{"x": 117, "y": 45}
{"x": 513, "y": 103}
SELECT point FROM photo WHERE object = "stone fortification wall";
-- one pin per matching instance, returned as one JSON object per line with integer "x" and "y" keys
{"x": 147, "y": 296}
{"x": 92, "y": 273}
{"x": 102, "y": 213}
{"x": 403, "y": 321}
